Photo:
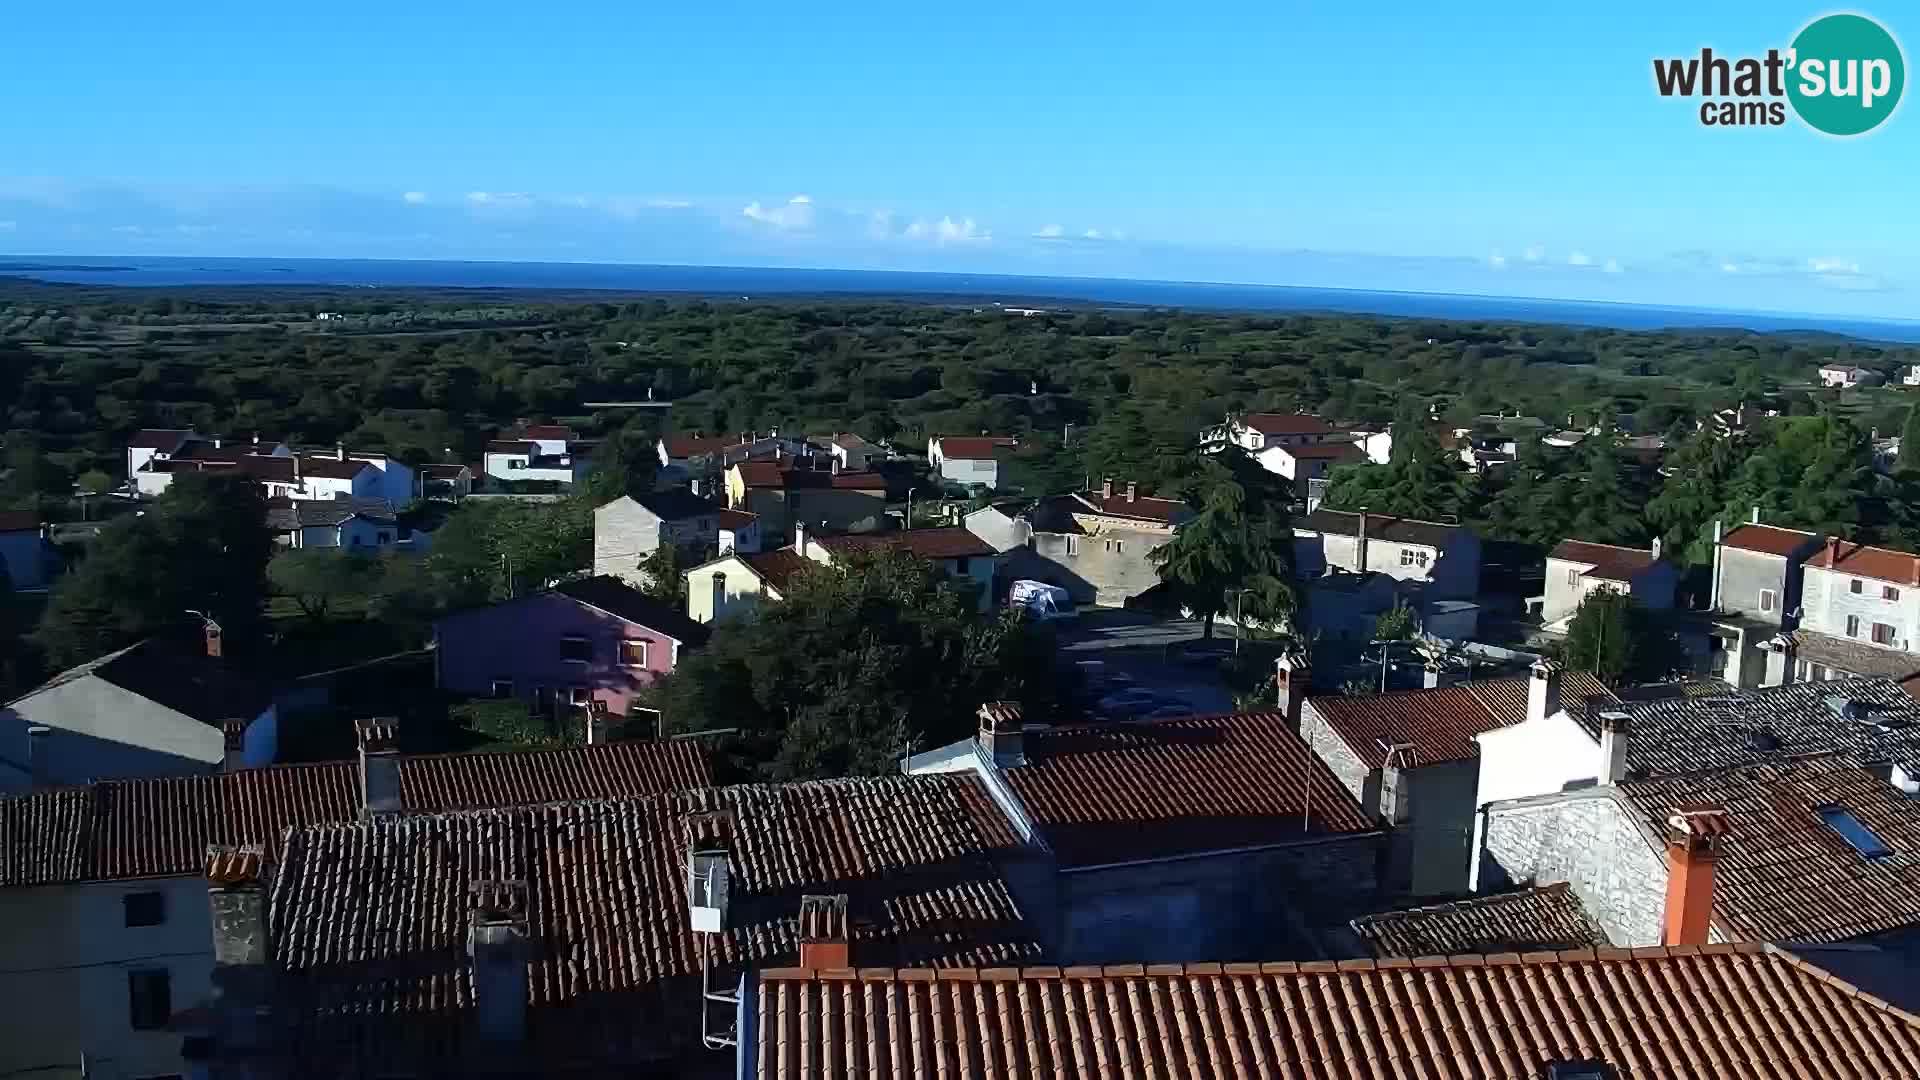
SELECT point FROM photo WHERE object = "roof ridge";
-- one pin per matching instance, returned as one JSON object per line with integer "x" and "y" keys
{"x": 1851, "y": 990}
{"x": 1449, "y": 905}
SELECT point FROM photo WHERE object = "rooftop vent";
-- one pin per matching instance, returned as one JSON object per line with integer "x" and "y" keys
{"x": 707, "y": 890}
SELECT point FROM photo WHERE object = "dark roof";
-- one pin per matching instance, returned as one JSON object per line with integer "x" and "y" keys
{"x": 820, "y": 478}
{"x": 1267, "y": 423}
{"x": 945, "y": 542}
{"x": 734, "y": 520}
{"x": 548, "y": 432}
{"x": 118, "y": 829}
{"x": 367, "y": 922}
{"x": 333, "y": 468}
{"x": 1852, "y": 656}
{"x": 1139, "y": 508}
{"x": 777, "y": 567}
{"x": 1883, "y": 564}
{"x": 1768, "y": 539}
{"x": 448, "y": 471}
{"x": 1441, "y": 722}
{"x": 1782, "y": 873}
{"x": 676, "y": 505}
{"x": 175, "y": 677}
{"x": 511, "y": 446}
{"x": 1328, "y": 451}
{"x": 1114, "y": 793}
{"x": 1529, "y": 920}
{"x": 1609, "y": 562}
{"x": 165, "y": 440}
{"x": 619, "y": 599}
{"x": 1681, "y": 734}
{"x": 686, "y": 446}
{"x": 973, "y": 447}
{"x": 1398, "y": 530}
{"x": 1705, "y": 1013}
{"x": 19, "y": 521}
{"x": 336, "y": 511}
{"x": 849, "y": 441}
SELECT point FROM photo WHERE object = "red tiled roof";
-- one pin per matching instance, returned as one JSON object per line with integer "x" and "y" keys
{"x": 1609, "y": 562}
{"x": 1529, "y": 920}
{"x": 1706, "y": 1013}
{"x": 511, "y": 446}
{"x": 162, "y": 439}
{"x": 1121, "y": 792}
{"x": 118, "y": 829}
{"x": 1782, "y": 873}
{"x": 607, "y": 903}
{"x": 760, "y": 474}
{"x": 973, "y": 447}
{"x": 1267, "y": 423}
{"x": 547, "y": 432}
{"x": 946, "y": 542}
{"x": 734, "y": 519}
{"x": 777, "y": 567}
{"x": 1140, "y": 508}
{"x": 1766, "y": 539}
{"x": 686, "y": 446}
{"x": 1882, "y": 564}
{"x": 1441, "y": 722}
{"x": 332, "y": 468}
{"x": 19, "y": 521}
{"x": 1328, "y": 451}
{"x": 772, "y": 474}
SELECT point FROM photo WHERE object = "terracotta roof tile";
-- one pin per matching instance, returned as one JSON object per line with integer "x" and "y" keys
{"x": 1609, "y": 562}
{"x": 1441, "y": 722}
{"x": 1761, "y": 1014}
{"x": 1784, "y": 874}
{"x": 734, "y": 520}
{"x": 1286, "y": 424}
{"x": 158, "y": 827}
{"x": 1550, "y": 917}
{"x": 973, "y": 447}
{"x": 1881, "y": 564}
{"x": 1767, "y": 539}
{"x": 686, "y": 446}
{"x": 946, "y": 542}
{"x": 1121, "y": 792}
{"x": 1140, "y": 508}
{"x": 779, "y": 566}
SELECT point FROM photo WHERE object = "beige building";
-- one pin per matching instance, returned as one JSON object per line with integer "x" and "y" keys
{"x": 821, "y": 498}
{"x": 1094, "y": 544}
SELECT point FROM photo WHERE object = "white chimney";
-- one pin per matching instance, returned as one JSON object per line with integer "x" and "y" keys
{"x": 379, "y": 766}
{"x": 1543, "y": 690}
{"x": 39, "y": 751}
{"x": 497, "y": 945}
{"x": 1756, "y": 515}
{"x": 1613, "y": 746}
{"x": 1656, "y": 547}
{"x": 800, "y": 537}
{"x": 234, "y": 733}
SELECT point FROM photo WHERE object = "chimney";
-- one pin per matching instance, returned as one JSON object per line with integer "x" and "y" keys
{"x": 1693, "y": 839}
{"x": 234, "y": 731}
{"x": 800, "y": 537}
{"x": 1393, "y": 782}
{"x": 1360, "y": 544}
{"x": 1133, "y": 491}
{"x": 497, "y": 945}
{"x": 1655, "y": 548}
{"x": 39, "y": 755}
{"x": 1002, "y": 733}
{"x": 823, "y": 933}
{"x": 379, "y": 766}
{"x": 242, "y": 959}
{"x": 1719, "y": 531}
{"x": 598, "y": 722}
{"x": 216, "y": 442}
{"x": 1106, "y": 488}
{"x": 256, "y": 438}
{"x": 1543, "y": 689}
{"x": 834, "y": 467}
{"x": 1613, "y": 746}
{"x": 1293, "y": 677}
{"x": 1833, "y": 551}
{"x": 296, "y": 468}
{"x": 339, "y": 452}
{"x": 214, "y": 650}
{"x": 1439, "y": 675}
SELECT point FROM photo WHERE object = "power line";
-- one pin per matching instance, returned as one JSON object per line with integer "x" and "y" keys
{"x": 105, "y": 963}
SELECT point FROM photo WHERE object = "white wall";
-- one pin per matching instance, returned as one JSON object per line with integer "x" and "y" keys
{"x": 64, "y": 960}
{"x": 983, "y": 471}
{"x": 1829, "y": 599}
{"x": 1533, "y": 757}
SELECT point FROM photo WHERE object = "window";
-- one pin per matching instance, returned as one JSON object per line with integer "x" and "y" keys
{"x": 516, "y": 463}
{"x": 1888, "y": 592}
{"x": 1768, "y": 599}
{"x": 503, "y": 688}
{"x": 1573, "y": 578}
{"x": 575, "y": 649}
{"x": 1853, "y": 626}
{"x": 1073, "y": 545}
{"x": 1420, "y": 559}
{"x": 633, "y": 654}
{"x": 578, "y": 695}
{"x": 145, "y": 908}
{"x": 1853, "y": 831}
{"x": 149, "y": 999}
{"x": 960, "y": 566}
{"x": 1854, "y": 586}
{"x": 1882, "y": 634}
{"x": 1406, "y": 556}
{"x": 383, "y": 538}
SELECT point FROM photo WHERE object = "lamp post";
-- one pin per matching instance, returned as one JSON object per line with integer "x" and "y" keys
{"x": 910, "y": 492}
{"x": 1239, "y": 628}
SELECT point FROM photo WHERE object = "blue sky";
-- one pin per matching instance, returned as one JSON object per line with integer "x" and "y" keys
{"x": 1497, "y": 149}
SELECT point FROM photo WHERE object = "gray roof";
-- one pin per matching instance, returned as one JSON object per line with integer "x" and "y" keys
{"x": 314, "y": 513}
{"x": 1433, "y": 534}
{"x": 1528, "y": 920}
{"x": 1853, "y": 657}
{"x": 677, "y": 504}
{"x": 1683, "y": 734}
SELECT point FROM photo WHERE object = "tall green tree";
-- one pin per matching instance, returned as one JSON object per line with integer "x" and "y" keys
{"x": 1619, "y": 641}
{"x": 1607, "y": 502}
{"x": 1421, "y": 479}
{"x": 1700, "y": 472}
{"x": 1240, "y": 538}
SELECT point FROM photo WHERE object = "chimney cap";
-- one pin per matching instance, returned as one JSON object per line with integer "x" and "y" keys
{"x": 491, "y": 901}
{"x": 378, "y": 734}
{"x": 1615, "y": 720}
{"x": 235, "y": 866}
{"x": 1001, "y": 717}
{"x": 1544, "y": 667}
{"x": 824, "y": 918}
{"x": 1698, "y": 826}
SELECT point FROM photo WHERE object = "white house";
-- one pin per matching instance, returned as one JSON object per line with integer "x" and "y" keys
{"x": 965, "y": 557}
{"x": 1255, "y": 432}
{"x": 738, "y": 531}
{"x": 397, "y": 483}
{"x": 968, "y": 460}
{"x": 1848, "y": 376}
{"x": 1912, "y": 376}
{"x": 151, "y": 709}
{"x": 1443, "y": 557}
{"x": 628, "y": 530}
{"x": 1304, "y": 463}
{"x": 149, "y": 444}
{"x": 523, "y": 459}
{"x": 1860, "y": 616}
{"x": 1576, "y": 568}
{"x": 352, "y": 522}
{"x": 850, "y": 451}
{"x": 337, "y": 477}
{"x": 451, "y": 482}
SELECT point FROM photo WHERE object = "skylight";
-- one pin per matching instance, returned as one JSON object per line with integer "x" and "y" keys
{"x": 1850, "y": 828}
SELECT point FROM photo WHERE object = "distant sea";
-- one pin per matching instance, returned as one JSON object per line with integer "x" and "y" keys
{"x": 733, "y": 282}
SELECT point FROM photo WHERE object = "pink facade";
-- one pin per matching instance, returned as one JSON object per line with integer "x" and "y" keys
{"x": 552, "y": 647}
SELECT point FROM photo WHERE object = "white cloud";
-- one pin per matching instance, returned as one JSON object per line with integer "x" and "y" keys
{"x": 1050, "y": 232}
{"x": 1535, "y": 253}
{"x": 948, "y": 231}
{"x": 1579, "y": 258}
{"x": 1497, "y": 261}
{"x": 795, "y": 216}
{"x": 414, "y": 198}
{"x": 668, "y": 204}
{"x": 1833, "y": 266}
{"x": 1613, "y": 267}
{"x": 1729, "y": 268}
{"x": 506, "y": 199}
{"x": 1093, "y": 234}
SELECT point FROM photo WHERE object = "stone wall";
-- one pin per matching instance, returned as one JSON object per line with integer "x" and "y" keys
{"x": 1354, "y": 774}
{"x": 1590, "y": 841}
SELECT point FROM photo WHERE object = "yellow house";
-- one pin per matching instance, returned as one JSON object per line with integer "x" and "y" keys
{"x": 780, "y": 495}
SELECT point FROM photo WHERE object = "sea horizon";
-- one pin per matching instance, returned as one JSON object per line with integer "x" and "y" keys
{"x": 1008, "y": 290}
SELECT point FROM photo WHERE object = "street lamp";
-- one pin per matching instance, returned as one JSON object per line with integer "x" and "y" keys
{"x": 1239, "y": 628}
{"x": 910, "y": 492}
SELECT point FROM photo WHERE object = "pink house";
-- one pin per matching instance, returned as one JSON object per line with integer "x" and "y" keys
{"x": 595, "y": 639}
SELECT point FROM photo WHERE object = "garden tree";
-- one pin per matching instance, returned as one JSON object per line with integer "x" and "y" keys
{"x": 627, "y": 458}
{"x": 493, "y": 550}
{"x": 1619, "y": 641}
{"x": 1239, "y": 538}
{"x": 203, "y": 546}
{"x": 1397, "y": 623}
{"x": 1909, "y": 459}
{"x": 862, "y": 662}
{"x": 323, "y": 580}
{"x": 1532, "y": 499}
{"x": 1421, "y": 479}
{"x": 665, "y": 571}
{"x": 1700, "y": 471}
{"x": 1814, "y": 473}
{"x": 1607, "y": 503}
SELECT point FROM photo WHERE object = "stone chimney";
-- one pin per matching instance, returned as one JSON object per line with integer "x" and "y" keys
{"x": 233, "y": 731}
{"x": 1756, "y": 515}
{"x": 379, "y": 766}
{"x": 242, "y": 974}
{"x": 1106, "y": 488}
{"x": 1133, "y": 491}
{"x": 1393, "y": 783}
{"x": 1438, "y": 675}
{"x": 214, "y": 649}
{"x": 1293, "y": 678}
{"x": 1003, "y": 733}
{"x": 1543, "y": 689}
{"x": 1693, "y": 840}
{"x": 824, "y": 938}
{"x": 39, "y": 755}
{"x": 497, "y": 945}
{"x": 1655, "y": 548}
{"x": 1613, "y": 746}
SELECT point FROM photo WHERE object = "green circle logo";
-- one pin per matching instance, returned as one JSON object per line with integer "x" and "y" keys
{"x": 1847, "y": 74}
